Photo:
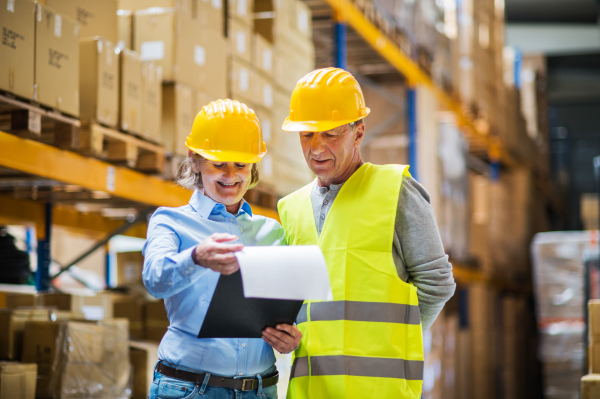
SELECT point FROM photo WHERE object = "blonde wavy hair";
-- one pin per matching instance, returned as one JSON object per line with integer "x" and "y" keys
{"x": 187, "y": 178}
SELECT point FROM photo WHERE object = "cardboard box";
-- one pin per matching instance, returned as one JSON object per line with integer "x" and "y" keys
{"x": 594, "y": 318}
{"x": 40, "y": 347}
{"x": 125, "y": 29}
{"x": 95, "y": 18}
{"x": 96, "y": 307}
{"x": 130, "y": 264}
{"x": 210, "y": 14}
{"x": 155, "y": 320}
{"x": 201, "y": 100}
{"x": 151, "y": 106}
{"x": 17, "y": 380}
{"x": 14, "y": 300}
{"x": 215, "y": 80}
{"x": 175, "y": 41}
{"x": 17, "y": 50}
{"x": 262, "y": 55}
{"x": 130, "y": 92}
{"x": 262, "y": 91}
{"x": 241, "y": 10}
{"x": 590, "y": 386}
{"x": 13, "y": 329}
{"x": 57, "y": 61}
{"x": 99, "y": 81}
{"x": 177, "y": 116}
{"x": 86, "y": 342}
{"x": 302, "y": 18}
{"x": 240, "y": 40}
{"x": 594, "y": 356}
{"x": 143, "y": 356}
{"x": 183, "y": 5}
{"x": 133, "y": 310}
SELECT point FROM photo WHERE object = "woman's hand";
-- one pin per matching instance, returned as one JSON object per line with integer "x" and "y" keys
{"x": 284, "y": 338}
{"x": 213, "y": 254}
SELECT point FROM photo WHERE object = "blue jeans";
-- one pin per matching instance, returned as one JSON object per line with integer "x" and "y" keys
{"x": 170, "y": 388}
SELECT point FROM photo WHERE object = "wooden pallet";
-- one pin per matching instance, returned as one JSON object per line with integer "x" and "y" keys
{"x": 121, "y": 148}
{"x": 30, "y": 120}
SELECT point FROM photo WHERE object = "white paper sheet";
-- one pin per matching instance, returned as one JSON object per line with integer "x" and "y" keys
{"x": 284, "y": 272}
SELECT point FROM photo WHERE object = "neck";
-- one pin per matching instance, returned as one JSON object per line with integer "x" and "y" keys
{"x": 353, "y": 166}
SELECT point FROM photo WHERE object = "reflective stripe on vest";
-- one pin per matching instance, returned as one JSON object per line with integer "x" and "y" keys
{"x": 361, "y": 311}
{"x": 358, "y": 366}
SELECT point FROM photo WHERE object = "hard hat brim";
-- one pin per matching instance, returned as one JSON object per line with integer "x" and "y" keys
{"x": 228, "y": 156}
{"x": 317, "y": 126}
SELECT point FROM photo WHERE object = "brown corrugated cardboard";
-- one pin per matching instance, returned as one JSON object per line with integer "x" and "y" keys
{"x": 57, "y": 60}
{"x": 96, "y": 307}
{"x": 99, "y": 81}
{"x": 17, "y": 50}
{"x": 183, "y": 5}
{"x": 155, "y": 320}
{"x": 130, "y": 93}
{"x": 201, "y": 100}
{"x": 40, "y": 347}
{"x": 17, "y": 380}
{"x": 13, "y": 328}
{"x": 152, "y": 102}
{"x": 130, "y": 264}
{"x": 210, "y": 14}
{"x": 95, "y": 18}
{"x": 125, "y": 29}
{"x": 594, "y": 356}
{"x": 594, "y": 318}
{"x": 133, "y": 310}
{"x": 242, "y": 80}
{"x": 175, "y": 41}
{"x": 240, "y": 40}
{"x": 144, "y": 356}
{"x": 590, "y": 386}
{"x": 177, "y": 116}
{"x": 241, "y": 10}
{"x": 215, "y": 78}
{"x": 262, "y": 55}
{"x": 14, "y": 301}
{"x": 262, "y": 91}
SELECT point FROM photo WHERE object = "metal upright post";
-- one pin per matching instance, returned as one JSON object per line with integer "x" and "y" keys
{"x": 108, "y": 265}
{"x": 42, "y": 275}
{"x": 412, "y": 132}
{"x": 339, "y": 44}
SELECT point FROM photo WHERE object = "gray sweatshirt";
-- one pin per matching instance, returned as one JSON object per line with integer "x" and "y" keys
{"x": 417, "y": 251}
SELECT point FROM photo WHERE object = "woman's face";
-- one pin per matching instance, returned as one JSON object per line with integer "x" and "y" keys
{"x": 225, "y": 182}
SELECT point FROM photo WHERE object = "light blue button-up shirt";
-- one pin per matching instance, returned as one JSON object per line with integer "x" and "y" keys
{"x": 187, "y": 288}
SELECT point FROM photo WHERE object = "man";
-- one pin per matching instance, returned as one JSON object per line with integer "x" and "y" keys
{"x": 389, "y": 274}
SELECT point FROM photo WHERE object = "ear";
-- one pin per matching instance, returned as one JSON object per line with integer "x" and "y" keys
{"x": 359, "y": 133}
{"x": 195, "y": 162}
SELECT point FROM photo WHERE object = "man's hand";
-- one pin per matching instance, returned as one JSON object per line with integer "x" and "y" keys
{"x": 215, "y": 255}
{"x": 284, "y": 338}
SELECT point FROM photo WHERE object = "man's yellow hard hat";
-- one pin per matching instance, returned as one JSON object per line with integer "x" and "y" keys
{"x": 324, "y": 99}
{"x": 227, "y": 131}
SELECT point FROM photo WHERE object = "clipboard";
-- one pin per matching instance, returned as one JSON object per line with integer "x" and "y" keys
{"x": 231, "y": 315}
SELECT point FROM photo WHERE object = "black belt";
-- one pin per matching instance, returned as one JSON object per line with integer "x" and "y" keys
{"x": 242, "y": 384}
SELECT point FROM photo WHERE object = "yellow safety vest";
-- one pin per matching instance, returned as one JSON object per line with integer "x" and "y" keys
{"x": 367, "y": 342}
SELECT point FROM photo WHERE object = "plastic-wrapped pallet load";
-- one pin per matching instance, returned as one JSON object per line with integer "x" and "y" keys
{"x": 558, "y": 282}
{"x": 79, "y": 360}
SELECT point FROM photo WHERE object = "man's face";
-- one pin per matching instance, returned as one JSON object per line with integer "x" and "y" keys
{"x": 330, "y": 153}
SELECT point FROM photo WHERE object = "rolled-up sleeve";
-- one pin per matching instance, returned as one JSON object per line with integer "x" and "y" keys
{"x": 420, "y": 247}
{"x": 167, "y": 269}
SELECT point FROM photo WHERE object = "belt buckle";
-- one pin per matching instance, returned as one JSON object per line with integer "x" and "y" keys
{"x": 251, "y": 381}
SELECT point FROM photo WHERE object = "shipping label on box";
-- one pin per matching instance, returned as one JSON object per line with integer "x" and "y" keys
{"x": 17, "y": 48}
{"x": 151, "y": 107}
{"x": 130, "y": 113}
{"x": 240, "y": 37}
{"x": 57, "y": 60}
{"x": 96, "y": 18}
{"x": 99, "y": 81}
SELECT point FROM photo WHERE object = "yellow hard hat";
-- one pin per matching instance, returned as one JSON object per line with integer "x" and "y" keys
{"x": 324, "y": 99}
{"x": 227, "y": 131}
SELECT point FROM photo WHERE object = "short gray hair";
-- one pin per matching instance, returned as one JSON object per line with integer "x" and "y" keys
{"x": 187, "y": 178}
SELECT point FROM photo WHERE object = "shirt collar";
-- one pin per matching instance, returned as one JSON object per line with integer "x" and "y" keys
{"x": 205, "y": 205}
{"x": 324, "y": 190}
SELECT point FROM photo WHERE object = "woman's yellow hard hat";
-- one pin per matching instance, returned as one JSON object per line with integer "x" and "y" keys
{"x": 325, "y": 99}
{"x": 227, "y": 131}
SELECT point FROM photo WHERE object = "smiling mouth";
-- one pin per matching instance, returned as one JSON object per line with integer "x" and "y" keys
{"x": 321, "y": 161}
{"x": 228, "y": 184}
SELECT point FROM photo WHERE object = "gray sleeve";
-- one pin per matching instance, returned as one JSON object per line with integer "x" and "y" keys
{"x": 417, "y": 241}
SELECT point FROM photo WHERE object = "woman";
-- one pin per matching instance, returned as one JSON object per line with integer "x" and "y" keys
{"x": 189, "y": 247}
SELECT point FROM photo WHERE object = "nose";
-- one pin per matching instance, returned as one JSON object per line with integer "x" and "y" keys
{"x": 317, "y": 144}
{"x": 229, "y": 172}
